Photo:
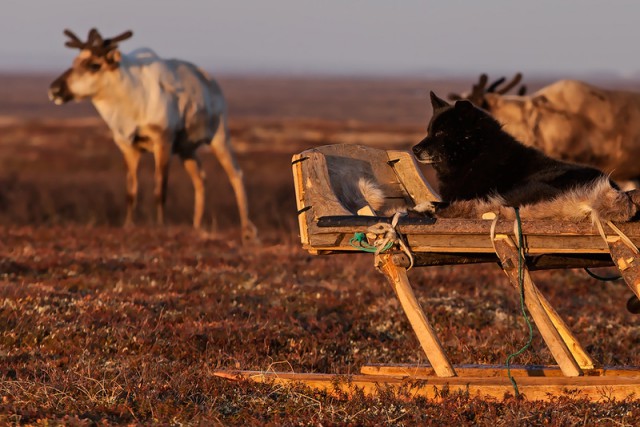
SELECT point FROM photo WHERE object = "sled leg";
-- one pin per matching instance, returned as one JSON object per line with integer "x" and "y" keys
{"x": 543, "y": 318}
{"x": 628, "y": 262}
{"x": 397, "y": 276}
{"x": 579, "y": 353}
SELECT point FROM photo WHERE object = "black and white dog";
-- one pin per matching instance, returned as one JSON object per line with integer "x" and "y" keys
{"x": 481, "y": 168}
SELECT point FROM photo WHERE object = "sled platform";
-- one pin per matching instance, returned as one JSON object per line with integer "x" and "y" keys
{"x": 326, "y": 178}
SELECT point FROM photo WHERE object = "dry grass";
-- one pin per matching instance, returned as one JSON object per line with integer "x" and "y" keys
{"x": 99, "y": 325}
{"x": 114, "y": 326}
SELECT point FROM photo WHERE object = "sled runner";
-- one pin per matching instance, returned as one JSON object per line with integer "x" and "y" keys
{"x": 330, "y": 223}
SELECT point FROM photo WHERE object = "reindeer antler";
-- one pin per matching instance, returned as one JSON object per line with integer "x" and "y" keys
{"x": 75, "y": 41}
{"x": 94, "y": 38}
{"x": 95, "y": 42}
{"x": 114, "y": 40}
{"x": 516, "y": 79}
{"x": 492, "y": 87}
{"x": 477, "y": 91}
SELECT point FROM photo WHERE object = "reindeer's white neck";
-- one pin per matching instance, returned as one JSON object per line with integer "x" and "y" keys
{"x": 132, "y": 98}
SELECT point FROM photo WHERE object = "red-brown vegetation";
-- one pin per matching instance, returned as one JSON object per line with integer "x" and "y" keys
{"x": 101, "y": 325}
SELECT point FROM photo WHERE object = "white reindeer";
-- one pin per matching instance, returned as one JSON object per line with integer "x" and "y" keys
{"x": 164, "y": 106}
{"x": 570, "y": 120}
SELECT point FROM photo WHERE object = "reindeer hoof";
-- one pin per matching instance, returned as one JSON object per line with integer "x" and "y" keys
{"x": 250, "y": 235}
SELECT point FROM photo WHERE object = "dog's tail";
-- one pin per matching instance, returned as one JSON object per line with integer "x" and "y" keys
{"x": 371, "y": 193}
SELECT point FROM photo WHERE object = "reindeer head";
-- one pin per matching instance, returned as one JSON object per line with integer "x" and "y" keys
{"x": 480, "y": 94}
{"x": 97, "y": 58}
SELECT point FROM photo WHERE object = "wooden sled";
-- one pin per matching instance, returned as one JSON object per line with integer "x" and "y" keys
{"x": 329, "y": 220}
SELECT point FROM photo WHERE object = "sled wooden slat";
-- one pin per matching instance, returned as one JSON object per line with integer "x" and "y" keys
{"x": 439, "y": 237}
{"x": 478, "y": 226}
{"x": 325, "y": 176}
{"x": 471, "y": 236}
{"x": 411, "y": 179}
{"x": 478, "y": 371}
{"x": 545, "y": 388}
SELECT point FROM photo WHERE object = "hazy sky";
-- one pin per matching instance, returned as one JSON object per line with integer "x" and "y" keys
{"x": 415, "y": 37}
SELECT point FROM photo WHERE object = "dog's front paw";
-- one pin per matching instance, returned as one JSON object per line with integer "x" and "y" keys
{"x": 425, "y": 208}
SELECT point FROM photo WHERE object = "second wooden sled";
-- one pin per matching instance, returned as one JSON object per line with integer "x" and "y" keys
{"x": 325, "y": 177}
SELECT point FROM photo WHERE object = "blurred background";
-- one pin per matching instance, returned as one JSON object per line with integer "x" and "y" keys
{"x": 296, "y": 74}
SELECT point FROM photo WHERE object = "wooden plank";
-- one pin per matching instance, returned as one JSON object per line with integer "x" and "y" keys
{"x": 345, "y": 172}
{"x": 330, "y": 242}
{"x": 594, "y": 388}
{"x": 478, "y": 243}
{"x": 483, "y": 371}
{"x": 336, "y": 222}
{"x": 473, "y": 236}
{"x": 319, "y": 193}
{"x": 471, "y": 244}
{"x": 508, "y": 253}
{"x": 529, "y": 228}
{"x": 397, "y": 277}
{"x": 360, "y": 160}
{"x": 409, "y": 175}
{"x": 534, "y": 263}
{"x": 298, "y": 184}
{"x": 340, "y": 168}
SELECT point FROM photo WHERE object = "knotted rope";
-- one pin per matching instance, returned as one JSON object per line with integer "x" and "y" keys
{"x": 387, "y": 235}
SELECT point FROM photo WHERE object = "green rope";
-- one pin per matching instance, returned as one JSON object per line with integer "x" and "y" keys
{"x": 359, "y": 241}
{"x": 522, "y": 305}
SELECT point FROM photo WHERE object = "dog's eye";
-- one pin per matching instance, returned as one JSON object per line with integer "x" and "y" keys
{"x": 94, "y": 66}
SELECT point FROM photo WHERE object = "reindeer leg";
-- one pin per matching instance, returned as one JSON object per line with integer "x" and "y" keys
{"x": 162, "y": 155}
{"x": 131, "y": 160}
{"x": 193, "y": 167}
{"x": 221, "y": 146}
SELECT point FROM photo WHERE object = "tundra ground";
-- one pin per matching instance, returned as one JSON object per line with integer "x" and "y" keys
{"x": 100, "y": 325}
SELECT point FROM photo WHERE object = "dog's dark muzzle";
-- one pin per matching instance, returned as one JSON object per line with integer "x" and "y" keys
{"x": 421, "y": 154}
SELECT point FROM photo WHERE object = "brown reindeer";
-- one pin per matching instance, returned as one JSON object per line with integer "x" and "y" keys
{"x": 570, "y": 120}
{"x": 164, "y": 106}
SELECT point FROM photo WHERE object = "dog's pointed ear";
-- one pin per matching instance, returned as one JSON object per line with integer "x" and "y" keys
{"x": 463, "y": 105}
{"x": 438, "y": 103}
